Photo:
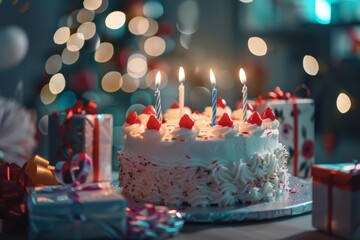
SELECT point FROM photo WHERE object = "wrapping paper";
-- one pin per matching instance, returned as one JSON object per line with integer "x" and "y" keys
{"x": 93, "y": 211}
{"x": 89, "y": 133}
{"x": 336, "y": 198}
{"x": 297, "y": 131}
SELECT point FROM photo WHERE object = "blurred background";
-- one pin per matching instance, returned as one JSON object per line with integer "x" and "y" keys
{"x": 53, "y": 53}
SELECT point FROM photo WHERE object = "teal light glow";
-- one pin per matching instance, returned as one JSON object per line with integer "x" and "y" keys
{"x": 323, "y": 11}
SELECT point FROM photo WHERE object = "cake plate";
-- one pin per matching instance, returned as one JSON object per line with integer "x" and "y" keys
{"x": 297, "y": 201}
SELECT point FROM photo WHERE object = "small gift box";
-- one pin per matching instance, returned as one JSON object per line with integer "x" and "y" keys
{"x": 81, "y": 129}
{"x": 336, "y": 198}
{"x": 296, "y": 130}
{"x": 92, "y": 210}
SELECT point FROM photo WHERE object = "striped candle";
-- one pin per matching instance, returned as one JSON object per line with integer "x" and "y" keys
{"x": 243, "y": 80}
{"x": 181, "y": 91}
{"x": 158, "y": 96}
{"x": 214, "y": 97}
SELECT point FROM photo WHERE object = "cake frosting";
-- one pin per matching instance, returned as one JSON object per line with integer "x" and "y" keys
{"x": 190, "y": 162}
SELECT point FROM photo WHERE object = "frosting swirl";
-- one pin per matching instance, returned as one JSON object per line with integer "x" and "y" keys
{"x": 130, "y": 128}
{"x": 224, "y": 132}
{"x": 269, "y": 124}
{"x": 253, "y": 129}
{"x": 174, "y": 113}
{"x": 150, "y": 134}
{"x": 184, "y": 133}
{"x": 219, "y": 111}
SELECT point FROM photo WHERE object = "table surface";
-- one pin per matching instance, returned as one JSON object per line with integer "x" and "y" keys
{"x": 297, "y": 227}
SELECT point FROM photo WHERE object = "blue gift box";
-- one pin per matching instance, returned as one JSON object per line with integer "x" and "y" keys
{"x": 93, "y": 210}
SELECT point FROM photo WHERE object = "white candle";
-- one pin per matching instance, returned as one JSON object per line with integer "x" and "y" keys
{"x": 243, "y": 80}
{"x": 214, "y": 97}
{"x": 158, "y": 96}
{"x": 181, "y": 90}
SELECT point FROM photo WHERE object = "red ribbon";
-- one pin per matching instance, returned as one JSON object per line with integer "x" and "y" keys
{"x": 278, "y": 94}
{"x": 66, "y": 147}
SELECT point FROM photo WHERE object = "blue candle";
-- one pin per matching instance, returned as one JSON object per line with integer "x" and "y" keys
{"x": 214, "y": 97}
{"x": 158, "y": 96}
{"x": 243, "y": 80}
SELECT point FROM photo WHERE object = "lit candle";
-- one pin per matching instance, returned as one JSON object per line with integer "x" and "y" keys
{"x": 158, "y": 96}
{"x": 242, "y": 77}
{"x": 181, "y": 90}
{"x": 214, "y": 97}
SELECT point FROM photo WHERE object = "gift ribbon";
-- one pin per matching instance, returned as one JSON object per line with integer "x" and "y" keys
{"x": 336, "y": 178}
{"x": 278, "y": 94}
{"x": 153, "y": 222}
{"x": 40, "y": 172}
{"x": 66, "y": 147}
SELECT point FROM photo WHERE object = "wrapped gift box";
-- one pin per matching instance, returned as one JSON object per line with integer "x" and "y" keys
{"x": 296, "y": 117}
{"x": 93, "y": 211}
{"x": 89, "y": 133}
{"x": 336, "y": 199}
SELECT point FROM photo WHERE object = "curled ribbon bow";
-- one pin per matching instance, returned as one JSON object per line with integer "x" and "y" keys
{"x": 280, "y": 95}
{"x": 73, "y": 171}
{"x": 80, "y": 108}
{"x": 40, "y": 172}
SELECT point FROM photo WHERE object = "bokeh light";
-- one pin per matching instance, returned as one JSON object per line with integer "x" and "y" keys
{"x": 57, "y": 83}
{"x": 343, "y": 103}
{"x": 44, "y": 124}
{"x": 53, "y": 64}
{"x": 153, "y": 9}
{"x": 137, "y": 65}
{"x": 130, "y": 84}
{"x": 311, "y": 65}
{"x": 87, "y": 29}
{"x": 111, "y": 82}
{"x": 246, "y": 1}
{"x": 257, "y": 46}
{"x": 115, "y": 20}
{"x": 75, "y": 42}
{"x": 104, "y": 5}
{"x": 85, "y": 15}
{"x": 61, "y": 35}
{"x": 152, "y": 29}
{"x": 104, "y": 52}
{"x": 154, "y": 46}
{"x": 46, "y": 95}
{"x": 138, "y": 108}
{"x": 92, "y": 4}
{"x": 67, "y": 99}
{"x": 139, "y": 25}
{"x": 185, "y": 40}
{"x": 188, "y": 15}
{"x": 69, "y": 57}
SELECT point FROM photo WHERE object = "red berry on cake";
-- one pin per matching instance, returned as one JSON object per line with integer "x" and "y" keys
{"x": 255, "y": 119}
{"x": 226, "y": 121}
{"x": 132, "y": 118}
{"x": 186, "y": 122}
{"x": 220, "y": 102}
{"x": 149, "y": 110}
{"x": 153, "y": 123}
{"x": 268, "y": 113}
{"x": 175, "y": 105}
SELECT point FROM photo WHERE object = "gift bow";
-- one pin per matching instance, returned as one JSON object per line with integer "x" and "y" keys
{"x": 80, "y": 108}
{"x": 40, "y": 172}
{"x": 78, "y": 168}
{"x": 280, "y": 95}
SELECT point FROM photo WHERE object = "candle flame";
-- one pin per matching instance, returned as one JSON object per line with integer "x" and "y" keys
{"x": 181, "y": 75}
{"x": 158, "y": 79}
{"x": 212, "y": 77}
{"x": 242, "y": 76}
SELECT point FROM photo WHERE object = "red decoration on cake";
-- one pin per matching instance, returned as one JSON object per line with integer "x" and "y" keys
{"x": 186, "y": 122}
{"x": 196, "y": 111}
{"x": 149, "y": 110}
{"x": 220, "y": 102}
{"x": 255, "y": 119}
{"x": 175, "y": 105}
{"x": 268, "y": 113}
{"x": 132, "y": 118}
{"x": 153, "y": 123}
{"x": 225, "y": 121}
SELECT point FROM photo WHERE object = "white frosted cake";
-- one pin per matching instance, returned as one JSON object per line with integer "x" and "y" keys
{"x": 187, "y": 161}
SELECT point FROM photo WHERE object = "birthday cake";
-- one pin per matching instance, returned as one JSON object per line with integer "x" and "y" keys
{"x": 187, "y": 161}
